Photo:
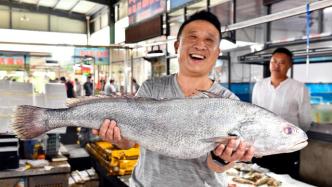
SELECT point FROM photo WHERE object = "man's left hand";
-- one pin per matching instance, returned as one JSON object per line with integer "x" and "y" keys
{"x": 231, "y": 153}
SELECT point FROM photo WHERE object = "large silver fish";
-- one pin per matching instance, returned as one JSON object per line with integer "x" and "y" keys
{"x": 180, "y": 128}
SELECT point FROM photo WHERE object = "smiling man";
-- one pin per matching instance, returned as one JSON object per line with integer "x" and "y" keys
{"x": 197, "y": 47}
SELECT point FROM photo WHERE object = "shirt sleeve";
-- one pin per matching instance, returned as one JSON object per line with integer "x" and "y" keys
{"x": 305, "y": 110}
{"x": 254, "y": 95}
{"x": 144, "y": 90}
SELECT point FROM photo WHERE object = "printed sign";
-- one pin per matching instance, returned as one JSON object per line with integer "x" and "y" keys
{"x": 139, "y": 10}
{"x": 100, "y": 55}
{"x": 12, "y": 63}
{"x": 178, "y": 3}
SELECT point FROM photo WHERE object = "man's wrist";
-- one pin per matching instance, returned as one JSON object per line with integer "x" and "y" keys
{"x": 217, "y": 160}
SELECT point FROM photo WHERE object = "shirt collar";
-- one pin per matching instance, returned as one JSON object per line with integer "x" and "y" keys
{"x": 213, "y": 86}
{"x": 280, "y": 85}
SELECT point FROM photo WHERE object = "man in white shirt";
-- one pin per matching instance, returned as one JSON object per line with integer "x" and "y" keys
{"x": 110, "y": 88}
{"x": 287, "y": 98}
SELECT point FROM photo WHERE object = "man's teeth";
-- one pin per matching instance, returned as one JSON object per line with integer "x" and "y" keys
{"x": 197, "y": 56}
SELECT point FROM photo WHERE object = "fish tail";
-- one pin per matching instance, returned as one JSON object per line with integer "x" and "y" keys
{"x": 28, "y": 122}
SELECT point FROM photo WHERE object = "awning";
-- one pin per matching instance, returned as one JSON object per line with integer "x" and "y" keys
{"x": 320, "y": 51}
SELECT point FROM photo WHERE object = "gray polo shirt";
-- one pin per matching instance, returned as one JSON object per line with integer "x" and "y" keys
{"x": 154, "y": 169}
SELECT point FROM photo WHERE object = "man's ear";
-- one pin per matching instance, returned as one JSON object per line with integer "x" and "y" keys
{"x": 176, "y": 46}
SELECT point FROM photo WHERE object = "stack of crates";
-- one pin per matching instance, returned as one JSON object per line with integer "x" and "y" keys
{"x": 116, "y": 161}
{"x": 9, "y": 158}
{"x": 52, "y": 145}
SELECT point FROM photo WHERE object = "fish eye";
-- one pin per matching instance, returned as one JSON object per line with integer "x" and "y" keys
{"x": 289, "y": 130}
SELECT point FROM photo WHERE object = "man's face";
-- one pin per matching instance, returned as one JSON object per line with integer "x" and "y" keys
{"x": 198, "y": 48}
{"x": 279, "y": 65}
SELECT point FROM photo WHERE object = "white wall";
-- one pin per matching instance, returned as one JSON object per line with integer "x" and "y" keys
{"x": 317, "y": 73}
{"x": 23, "y": 36}
{"x": 120, "y": 29}
{"x": 101, "y": 37}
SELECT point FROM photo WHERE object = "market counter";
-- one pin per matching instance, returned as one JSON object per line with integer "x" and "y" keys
{"x": 321, "y": 132}
{"x": 315, "y": 161}
{"x": 54, "y": 175}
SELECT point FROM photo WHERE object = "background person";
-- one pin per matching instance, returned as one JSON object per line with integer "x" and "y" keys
{"x": 110, "y": 88}
{"x": 69, "y": 87}
{"x": 289, "y": 99}
{"x": 78, "y": 88}
{"x": 88, "y": 86}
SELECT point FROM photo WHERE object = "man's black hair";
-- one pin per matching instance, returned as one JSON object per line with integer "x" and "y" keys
{"x": 284, "y": 51}
{"x": 201, "y": 15}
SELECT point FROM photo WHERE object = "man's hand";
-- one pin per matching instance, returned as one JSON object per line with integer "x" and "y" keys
{"x": 230, "y": 154}
{"x": 109, "y": 131}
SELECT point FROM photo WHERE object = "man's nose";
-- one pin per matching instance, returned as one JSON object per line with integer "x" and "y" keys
{"x": 276, "y": 64}
{"x": 200, "y": 45}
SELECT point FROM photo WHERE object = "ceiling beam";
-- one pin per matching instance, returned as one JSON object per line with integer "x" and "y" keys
{"x": 37, "y": 4}
{"x": 104, "y": 2}
{"x": 76, "y": 3}
{"x": 270, "y": 2}
{"x": 56, "y": 4}
{"x": 43, "y": 10}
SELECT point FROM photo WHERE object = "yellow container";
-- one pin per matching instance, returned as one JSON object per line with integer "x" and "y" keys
{"x": 322, "y": 113}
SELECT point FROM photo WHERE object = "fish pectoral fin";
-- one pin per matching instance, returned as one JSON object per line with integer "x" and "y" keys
{"x": 220, "y": 140}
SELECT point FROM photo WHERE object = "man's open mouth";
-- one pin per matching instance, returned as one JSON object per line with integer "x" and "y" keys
{"x": 197, "y": 56}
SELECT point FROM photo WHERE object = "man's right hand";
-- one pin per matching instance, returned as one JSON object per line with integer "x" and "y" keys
{"x": 109, "y": 131}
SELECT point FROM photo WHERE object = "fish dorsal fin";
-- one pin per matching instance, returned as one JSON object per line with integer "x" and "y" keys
{"x": 211, "y": 94}
{"x": 72, "y": 102}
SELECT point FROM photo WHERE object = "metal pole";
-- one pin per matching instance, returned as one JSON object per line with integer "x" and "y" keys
{"x": 229, "y": 70}
{"x": 87, "y": 29}
{"x": 125, "y": 90}
{"x": 185, "y": 13}
{"x": 268, "y": 25}
{"x": 94, "y": 75}
{"x": 10, "y": 17}
{"x": 167, "y": 36}
{"x": 132, "y": 70}
{"x": 266, "y": 66}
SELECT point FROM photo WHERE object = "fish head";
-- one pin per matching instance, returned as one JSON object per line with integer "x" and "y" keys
{"x": 270, "y": 134}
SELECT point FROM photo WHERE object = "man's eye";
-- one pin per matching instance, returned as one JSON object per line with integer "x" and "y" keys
{"x": 192, "y": 37}
{"x": 210, "y": 41}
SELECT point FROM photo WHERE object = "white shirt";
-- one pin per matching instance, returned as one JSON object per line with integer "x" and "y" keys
{"x": 110, "y": 89}
{"x": 290, "y": 100}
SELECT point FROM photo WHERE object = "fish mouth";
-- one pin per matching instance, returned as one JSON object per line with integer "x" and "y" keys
{"x": 300, "y": 145}
{"x": 294, "y": 148}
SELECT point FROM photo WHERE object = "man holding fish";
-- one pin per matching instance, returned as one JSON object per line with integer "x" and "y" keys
{"x": 197, "y": 47}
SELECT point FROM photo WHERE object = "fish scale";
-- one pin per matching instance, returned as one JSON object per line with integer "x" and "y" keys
{"x": 180, "y": 128}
